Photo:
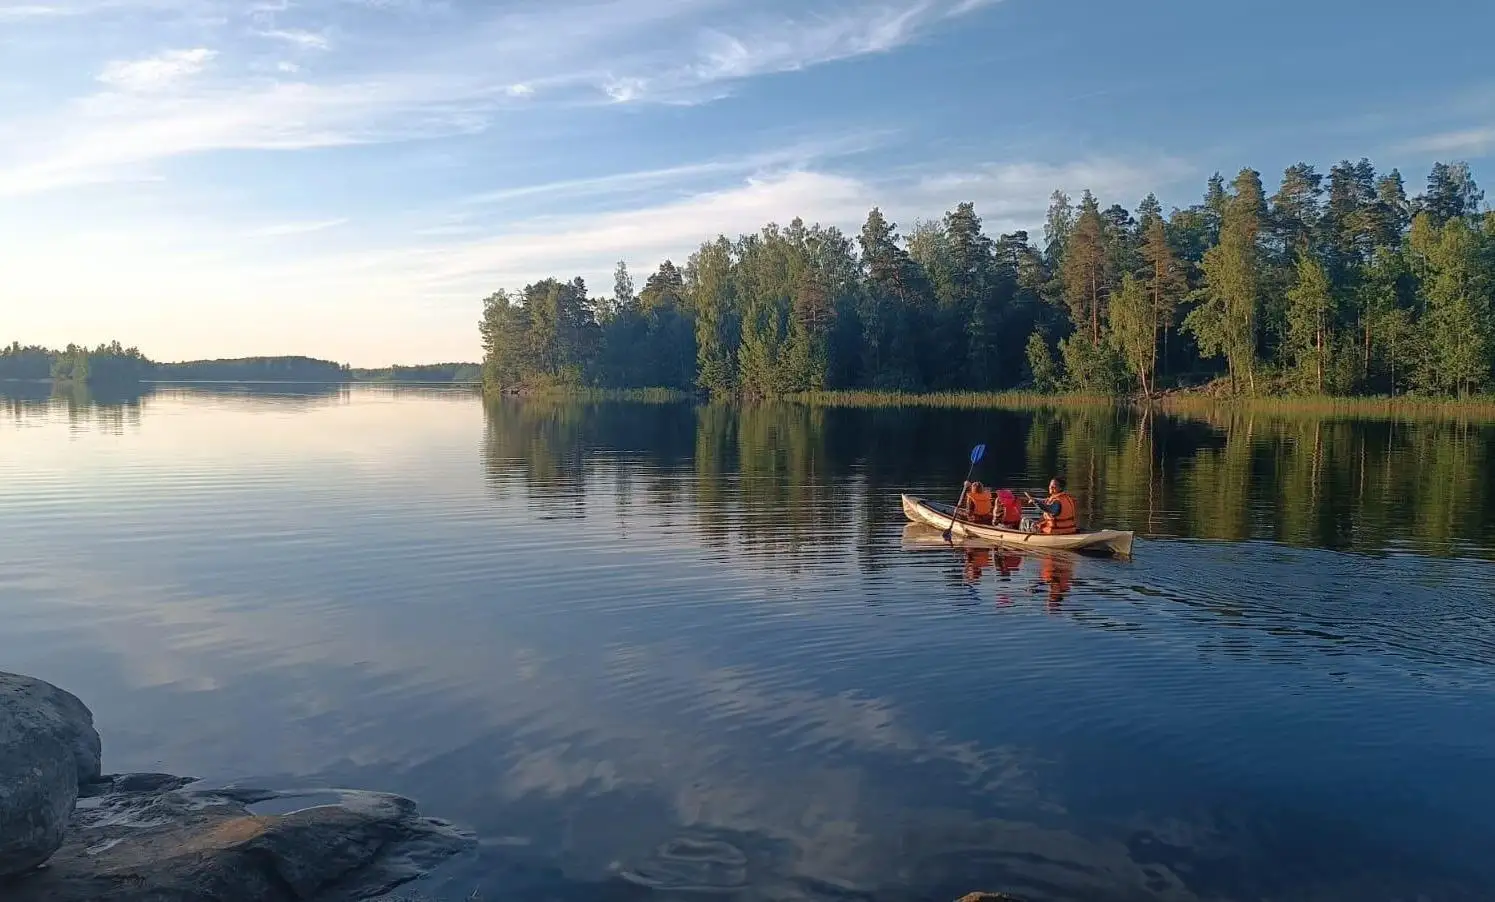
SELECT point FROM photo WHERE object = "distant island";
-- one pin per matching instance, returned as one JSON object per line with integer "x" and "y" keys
{"x": 1338, "y": 284}
{"x": 116, "y": 365}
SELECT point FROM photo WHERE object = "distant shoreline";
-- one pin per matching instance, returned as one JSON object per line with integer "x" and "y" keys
{"x": 115, "y": 366}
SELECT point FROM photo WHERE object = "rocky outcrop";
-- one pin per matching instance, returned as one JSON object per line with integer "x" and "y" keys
{"x": 147, "y": 837}
{"x": 151, "y": 838}
{"x": 48, "y": 746}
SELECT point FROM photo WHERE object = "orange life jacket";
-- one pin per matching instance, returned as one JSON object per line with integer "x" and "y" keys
{"x": 981, "y": 504}
{"x": 1012, "y": 514}
{"x": 1064, "y": 523}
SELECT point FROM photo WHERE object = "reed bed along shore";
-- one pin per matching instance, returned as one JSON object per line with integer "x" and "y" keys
{"x": 1014, "y": 400}
{"x": 1479, "y": 409}
{"x": 1384, "y": 407}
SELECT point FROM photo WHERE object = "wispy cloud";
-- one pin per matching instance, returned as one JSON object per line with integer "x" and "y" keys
{"x": 283, "y": 229}
{"x": 33, "y": 11}
{"x": 108, "y": 137}
{"x": 156, "y": 73}
{"x": 770, "y": 43}
{"x": 1475, "y": 142}
{"x": 666, "y": 51}
{"x": 793, "y": 155}
{"x": 307, "y": 40}
{"x": 1008, "y": 196}
{"x": 969, "y": 6}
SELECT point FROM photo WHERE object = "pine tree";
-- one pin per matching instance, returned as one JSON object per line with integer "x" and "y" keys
{"x": 1295, "y": 209}
{"x": 896, "y": 306}
{"x": 1451, "y": 193}
{"x": 1084, "y": 269}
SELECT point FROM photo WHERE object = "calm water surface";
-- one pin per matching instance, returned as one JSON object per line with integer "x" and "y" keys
{"x": 671, "y": 650}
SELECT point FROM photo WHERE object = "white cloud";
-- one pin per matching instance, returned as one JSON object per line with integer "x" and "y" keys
{"x": 622, "y": 90}
{"x": 800, "y": 154}
{"x": 279, "y": 230}
{"x": 308, "y": 40}
{"x": 455, "y": 86}
{"x": 34, "y": 11}
{"x": 770, "y": 43}
{"x": 109, "y": 137}
{"x": 969, "y": 6}
{"x": 156, "y": 73}
{"x": 1475, "y": 142}
{"x": 1007, "y": 196}
{"x": 1017, "y": 194}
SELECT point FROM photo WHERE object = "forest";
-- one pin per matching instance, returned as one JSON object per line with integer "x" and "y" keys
{"x": 1335, "y": 284}
{"x": 113, "y": 364}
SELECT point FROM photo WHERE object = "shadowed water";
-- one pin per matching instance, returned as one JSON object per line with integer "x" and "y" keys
{"x": 666, "y": 650}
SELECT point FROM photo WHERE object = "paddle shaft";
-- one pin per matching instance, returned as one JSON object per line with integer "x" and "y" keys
{"x": 960, "y": 500}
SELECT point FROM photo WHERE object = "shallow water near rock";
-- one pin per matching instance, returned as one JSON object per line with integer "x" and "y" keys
{"x": 669, "y": 649}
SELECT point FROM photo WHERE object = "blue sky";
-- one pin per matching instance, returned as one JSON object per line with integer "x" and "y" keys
{"x": 348, "y": 178}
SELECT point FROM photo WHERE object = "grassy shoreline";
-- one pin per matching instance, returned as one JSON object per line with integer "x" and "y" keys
{"x": 1194, "y": 404}
{"x": 1010, "y": 400}
{"x": 1381, "y": 407}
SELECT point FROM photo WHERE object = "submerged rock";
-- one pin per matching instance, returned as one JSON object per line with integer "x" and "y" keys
{"x": 48, "y": 746}
{"x": 145, "y": 837}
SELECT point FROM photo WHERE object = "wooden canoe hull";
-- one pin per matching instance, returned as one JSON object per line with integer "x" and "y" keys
{"x": 933, "y": 513}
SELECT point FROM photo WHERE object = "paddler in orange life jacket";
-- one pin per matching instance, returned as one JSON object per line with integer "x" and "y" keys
{"x": 1009, "y": 512}
{"x": 978, "y": 503}
{"x": 1059, "y": 510}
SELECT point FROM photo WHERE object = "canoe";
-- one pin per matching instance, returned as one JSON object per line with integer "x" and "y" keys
{"x": 923, "y": 537}
{"x": 933, "y": 513}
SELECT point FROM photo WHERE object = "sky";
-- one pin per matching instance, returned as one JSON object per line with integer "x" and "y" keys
{"x": 348, "y": 179}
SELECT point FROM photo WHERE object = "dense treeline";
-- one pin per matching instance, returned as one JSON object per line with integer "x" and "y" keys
{"x": 113, "y": 364}
{"x": 1335, "y": 284}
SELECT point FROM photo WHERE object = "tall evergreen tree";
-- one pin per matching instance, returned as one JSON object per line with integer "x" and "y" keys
{"x": 1451, "y": 193}
{"x": 1084, "y": 270}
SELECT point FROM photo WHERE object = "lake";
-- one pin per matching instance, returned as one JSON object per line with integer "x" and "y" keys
{"x": 671, "y": 650}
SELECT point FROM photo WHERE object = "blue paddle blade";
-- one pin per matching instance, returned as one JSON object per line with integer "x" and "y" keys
{"x": 977, "y": 452}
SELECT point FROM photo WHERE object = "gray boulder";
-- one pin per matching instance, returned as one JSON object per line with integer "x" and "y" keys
{"x": 45, "y": 708}
{"x": 147, "y": 838}
{"x": 47, "y": 747}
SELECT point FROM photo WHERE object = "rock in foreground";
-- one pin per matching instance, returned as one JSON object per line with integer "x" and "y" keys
{"x": 48, "y": 746}
{"x": 144, "y": 837}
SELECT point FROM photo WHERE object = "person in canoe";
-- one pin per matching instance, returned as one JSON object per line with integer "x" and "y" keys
{"x": 1009, "y": 513}
{"x": 1058, "y": 511}
{"x": 978, "y": 503}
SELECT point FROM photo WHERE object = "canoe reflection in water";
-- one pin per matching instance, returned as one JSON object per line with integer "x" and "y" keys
{"x": 1054, "y": 570}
